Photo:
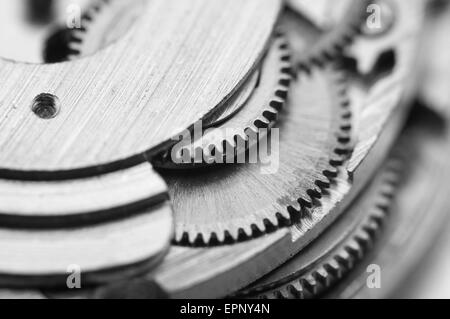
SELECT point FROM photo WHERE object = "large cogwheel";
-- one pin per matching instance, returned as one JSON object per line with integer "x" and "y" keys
{"x": 239, "y": 124}
{"x": 339, "y": 249}
{"x": 321, "y": 30}
{"x": 240, "y": 201}
{"x": 255, "y": 103}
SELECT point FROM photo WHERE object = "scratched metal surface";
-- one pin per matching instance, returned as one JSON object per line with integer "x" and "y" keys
{"x": 137, "y": 93}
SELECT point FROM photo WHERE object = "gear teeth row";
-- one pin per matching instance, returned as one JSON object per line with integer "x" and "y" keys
{"x": 295, "y": 210}
{"x": 343, "y": 145}
{"x": 270, "y": 113}
{"x": 245, "y": 135}
{"x": 329, "y": 272}
{"x": 344, "y": 129}
{"x": 77, "y": 35}
{"x": 331, "y": 46}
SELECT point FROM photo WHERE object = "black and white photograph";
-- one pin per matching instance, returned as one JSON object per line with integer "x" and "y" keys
{"x": 224, "y": 153}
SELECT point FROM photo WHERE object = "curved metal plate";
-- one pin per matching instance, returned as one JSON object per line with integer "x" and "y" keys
{"x": 80, "y": 202}
{"x": 102, "y": 253}
{"x": 178, "y": 62}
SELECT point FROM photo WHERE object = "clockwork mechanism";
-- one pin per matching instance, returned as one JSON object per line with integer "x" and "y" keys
{"x": 219, "y": 148}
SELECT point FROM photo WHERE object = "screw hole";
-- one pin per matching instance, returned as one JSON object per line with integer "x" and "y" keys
{"x": 46, "y": 106}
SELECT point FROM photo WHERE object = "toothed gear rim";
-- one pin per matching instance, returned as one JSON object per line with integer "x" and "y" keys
{"x": 233, "y": 203}
{"x": 259, "y": 112}
{"x": 313, "y": 46}
{"x": 104, "y": 22}
{"x": 339, "y": 250}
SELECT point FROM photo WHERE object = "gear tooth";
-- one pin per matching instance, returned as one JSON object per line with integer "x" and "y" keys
{"x": 364, "y": 241}
{"x": 248, "y": 230}
{"x": 285, "y": 78}
{"x": 221, "y": 236}
{"x": 384, "y": 202}
{"x": 310, "y": 284}
{"x": 295, "y": 208}
{"x": 334, "y": 268}
{"x": 263, "y": 121}
{"x": 283, "y": 217}
{"x": 74, "y": 47}
{"x": 207, "y": 237}
{"x": 372, "y": 227}
{"x": 260, "y": 225}
{"x": 389, "y": 186}
{"x": 270, "y": 222}
{"x": 277, "y": 105}
{"x": 330, "y": 46}
{"x": 344, "y": 259}
{"x": 354, "y": 249}
{"x": 296, "y": 290}
{"x": 178, "y": 237}
{"x": 191, "y": 238}
{"x": 363, "y": 237}
{"x": 232, "y": 234}
{"x": 322, "y": 276}
{"x": 323, "y": 183}
{"x": 315, "y": 192}
{"x": 378, "y": 215}
{"x": 298, "y": 287}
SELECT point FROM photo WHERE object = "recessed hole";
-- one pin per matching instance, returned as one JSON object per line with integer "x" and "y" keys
{"x": 46, "y": 106}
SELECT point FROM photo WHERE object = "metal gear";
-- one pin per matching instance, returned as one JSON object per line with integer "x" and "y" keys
{"x": 96, "y": 33}
{"x": 212, "y": 205}
{"x": 417, "y": 215}
{"x": 219, "y": 271}
{"x": 104, "y": 22}
{"x": 135, "y": 77}
{"x": 315, "y": 197}
{"x": 310, "y": 37}
{"x": 233, "y": 135}
{"x": 339, "y": 249}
